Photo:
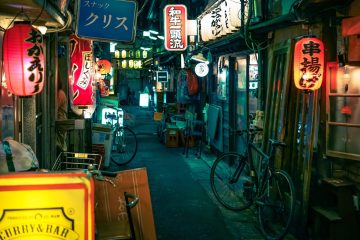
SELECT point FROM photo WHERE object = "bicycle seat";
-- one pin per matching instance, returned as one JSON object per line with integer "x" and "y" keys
{"x": 277, "y": 143}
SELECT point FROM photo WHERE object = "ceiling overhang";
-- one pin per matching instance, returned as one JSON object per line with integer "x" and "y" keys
{"x": 46, "y": 13}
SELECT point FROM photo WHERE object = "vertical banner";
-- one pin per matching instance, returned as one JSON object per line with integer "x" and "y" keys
{"x": 175, "y": 17}
{"x": 81, "y": 71}
{"x": 308, "y": 64}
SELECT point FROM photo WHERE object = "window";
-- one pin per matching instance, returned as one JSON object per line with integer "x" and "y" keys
{"x": 343, "y": 111}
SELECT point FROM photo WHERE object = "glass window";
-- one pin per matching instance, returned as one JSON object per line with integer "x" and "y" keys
{"x": 343, "y": 111}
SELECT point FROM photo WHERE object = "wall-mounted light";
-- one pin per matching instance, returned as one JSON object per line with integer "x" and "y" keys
{"x": 199, "y": 58}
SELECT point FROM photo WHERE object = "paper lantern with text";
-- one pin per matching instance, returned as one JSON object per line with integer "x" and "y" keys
{"x": 23, "y": 60}
{"x": 308, "y": 64}
{"x": 81, "y": 82}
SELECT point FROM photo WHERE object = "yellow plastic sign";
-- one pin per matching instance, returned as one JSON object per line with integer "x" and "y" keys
{"x": 46, "y": 206}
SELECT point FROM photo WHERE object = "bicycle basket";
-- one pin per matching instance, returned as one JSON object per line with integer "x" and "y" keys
{"x": 73, "y": 161}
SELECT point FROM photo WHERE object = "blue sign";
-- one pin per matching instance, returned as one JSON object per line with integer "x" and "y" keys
{"x": 110, "y": 20}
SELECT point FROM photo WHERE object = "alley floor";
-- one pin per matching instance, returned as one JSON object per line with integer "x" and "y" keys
{"x": 182, "y": 201}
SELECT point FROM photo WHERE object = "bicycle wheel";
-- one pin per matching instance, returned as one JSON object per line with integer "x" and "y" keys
{"x": 231, "y": 182}
{"x": 124, "y": 146}
{"x": 276, "y": 205}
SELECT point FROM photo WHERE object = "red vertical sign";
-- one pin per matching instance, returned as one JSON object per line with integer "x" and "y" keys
{"x": 81, "y": 71}
{"x": 175, "y": 17}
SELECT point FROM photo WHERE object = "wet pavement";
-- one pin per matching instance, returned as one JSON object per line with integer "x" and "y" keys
{"x": 184, "y": 206}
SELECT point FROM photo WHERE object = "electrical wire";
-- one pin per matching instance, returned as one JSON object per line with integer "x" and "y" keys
{"x": 42, "y": 9}
{"x": 66, "y": 25}
{"x": 142, "y": 8}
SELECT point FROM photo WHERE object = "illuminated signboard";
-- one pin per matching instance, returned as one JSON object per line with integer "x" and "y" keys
{"x": 308, "y": 64}
{"x": 175, "y": 17}
{"x": 108, "y": 20}
{"x": 81, "y": 71}
{"x": 201, "y": 69}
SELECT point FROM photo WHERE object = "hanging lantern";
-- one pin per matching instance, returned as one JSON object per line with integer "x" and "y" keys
{"x": 144, "y": 54}
{"x": 117, "y": 54}
{"x": 81, "y": 71}
{"x": 104, "y": 66}
{"x": 24, "y": 60}
{"x": 123, "y": 54}
{"x": 308, "y": 64}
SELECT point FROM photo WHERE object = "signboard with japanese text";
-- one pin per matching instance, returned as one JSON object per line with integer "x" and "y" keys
{"x": 308, "y": 63}
{"x": 222, "y": 19}
{"x": 81, "y": 71}
{"x": 107, "y": 20}
{"x": 175, "y": 17}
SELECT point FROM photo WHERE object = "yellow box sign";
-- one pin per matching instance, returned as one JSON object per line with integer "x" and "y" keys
{"x": 46, "y": 206}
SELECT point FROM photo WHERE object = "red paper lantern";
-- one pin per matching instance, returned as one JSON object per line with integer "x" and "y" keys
{"x": 104, "y": 66}
{"x": 23, "y": 60}
{"x": 81, "y": 71}
{"x": 308, "y": 64}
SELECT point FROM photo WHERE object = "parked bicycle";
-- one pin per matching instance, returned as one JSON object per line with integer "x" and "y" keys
{"x": 237, "y": 182}
{"x": 124, "y": 140}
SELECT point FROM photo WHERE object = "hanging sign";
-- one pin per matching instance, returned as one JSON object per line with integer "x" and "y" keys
{"x": 24, "y": 60}
{"x": 107, "y": 20}
{"x": 81, "y": 71}
{"x": 308, "y": 64}
{"x": 175, "y": 17}
{"x": 201, "y": 69}
{"x": 105, "y": 80}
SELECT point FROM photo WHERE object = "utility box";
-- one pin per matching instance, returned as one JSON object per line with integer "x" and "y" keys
{"x": 102, "y": 134}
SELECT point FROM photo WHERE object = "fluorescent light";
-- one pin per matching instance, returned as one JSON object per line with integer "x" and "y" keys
{"x": 146, "y": 33}
{"x": 161, "y": 37}
{"x": 112, "y": 46}
{"x": 145, "y": 48}
{"x": 154, "y": 32}
{"x": 153, "y": 38}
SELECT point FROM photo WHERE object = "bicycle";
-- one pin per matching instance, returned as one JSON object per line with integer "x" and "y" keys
{"x": 124, "y": 140}
{"x": 236, "y": 184}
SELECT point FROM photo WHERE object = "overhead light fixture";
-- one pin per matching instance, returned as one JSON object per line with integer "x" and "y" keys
{"x": 42, "y": 29}
{"x": 161, "y": 37}
{"x": 153, "y": 38}
{"x": 145, "y": 48}
{"x": 154, "y": 32}
{"x": 146, "y": 34}
{"x": 200, "y": 58}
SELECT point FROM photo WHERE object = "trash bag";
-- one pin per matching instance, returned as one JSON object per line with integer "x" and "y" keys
{"x": 16, "y": 157}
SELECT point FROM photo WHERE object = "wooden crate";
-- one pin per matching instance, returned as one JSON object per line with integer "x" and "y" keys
{"x": 172, "y": 137}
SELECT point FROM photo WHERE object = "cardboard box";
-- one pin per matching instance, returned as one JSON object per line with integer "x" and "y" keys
{"x": 158, "y": 116}
{"x": 42, "y": 206}
{"x": 111, "y": 216}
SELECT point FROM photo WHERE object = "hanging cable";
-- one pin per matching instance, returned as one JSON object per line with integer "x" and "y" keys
{"x": 142, "y": 8}
{"x": 42, "y": 9}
